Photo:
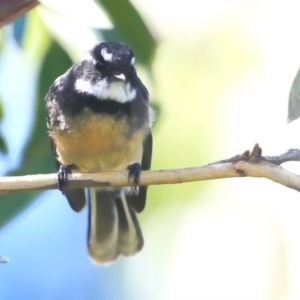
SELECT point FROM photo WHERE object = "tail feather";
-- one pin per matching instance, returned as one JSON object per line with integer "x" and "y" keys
{"x": 76, "y": 198}
{"x": 130, "y": 235}
{"x": 113, "y": 227}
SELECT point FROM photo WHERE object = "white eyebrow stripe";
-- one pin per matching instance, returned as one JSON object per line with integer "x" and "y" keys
{"x": 106, "y": 56}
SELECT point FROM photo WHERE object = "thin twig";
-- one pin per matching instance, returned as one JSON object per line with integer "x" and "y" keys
{"x": 250, "y": 165}
{"x": 13, "y": 9}
{"x": 256, "y": 156}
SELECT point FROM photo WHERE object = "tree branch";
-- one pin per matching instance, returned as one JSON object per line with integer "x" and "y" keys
{"x": 13, "y": 9}
{"x": 248, "y": 164}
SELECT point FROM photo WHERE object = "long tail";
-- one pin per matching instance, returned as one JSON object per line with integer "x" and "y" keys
{"x": 113, "y": 226}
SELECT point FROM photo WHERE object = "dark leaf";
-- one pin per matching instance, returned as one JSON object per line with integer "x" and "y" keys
{"x": 3, "y": 148}
{"x": 1, "y": 109}
{"x": 131, "y": 28}
{"x": 294, "y": 99}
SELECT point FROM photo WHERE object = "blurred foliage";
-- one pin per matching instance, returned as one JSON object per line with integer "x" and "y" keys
{"x": 1, "y": 39}
{"x": 294, "y": 99}
{"x": 130, "y": 27}
{"x": 40, "y": 45}
{"x": 3, "y": 147}
{"x": 38, "y": 157}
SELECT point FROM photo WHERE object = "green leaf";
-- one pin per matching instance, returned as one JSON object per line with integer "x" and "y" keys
{"x": 131, "y": 27}
{"x": 3, "y": 148}
{"x": 1, "y": 109}
{"x": 75, "y": 37}
{"x": 1, "y": 39}
{"x": 294, "y": 99}
{"x": 89, "y": 14}
{"x": 38, "y": 157}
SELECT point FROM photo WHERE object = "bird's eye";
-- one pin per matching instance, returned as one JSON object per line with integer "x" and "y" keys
{"x": 99, "y": 65}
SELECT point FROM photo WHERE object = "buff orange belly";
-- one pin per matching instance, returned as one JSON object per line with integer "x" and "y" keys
{"x": 99, "y": 143}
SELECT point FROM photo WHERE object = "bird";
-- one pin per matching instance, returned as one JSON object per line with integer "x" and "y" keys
{"x": 99, "y": 118}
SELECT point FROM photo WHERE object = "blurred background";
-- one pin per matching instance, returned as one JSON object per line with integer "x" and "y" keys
{"x": 219, "y": 73}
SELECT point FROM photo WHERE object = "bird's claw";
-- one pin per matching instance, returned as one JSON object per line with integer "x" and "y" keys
{"x": 134, "y": 171}
{"x": 62, "y": 177}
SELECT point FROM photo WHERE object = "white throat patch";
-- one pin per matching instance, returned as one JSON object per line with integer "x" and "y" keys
{"x": 118, "y": 91}
{"x": 106, "y": 56}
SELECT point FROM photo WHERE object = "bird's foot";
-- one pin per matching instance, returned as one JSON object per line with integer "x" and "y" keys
{"x": 62, "y": 174}
{"x": 134, "y": 172}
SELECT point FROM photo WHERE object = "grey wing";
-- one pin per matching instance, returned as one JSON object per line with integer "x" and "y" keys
{"x": 138, "y": 201}
{"x": 75, "y": 197}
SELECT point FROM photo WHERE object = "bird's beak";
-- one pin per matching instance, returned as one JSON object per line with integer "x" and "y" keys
{"x": 120, "y": 76}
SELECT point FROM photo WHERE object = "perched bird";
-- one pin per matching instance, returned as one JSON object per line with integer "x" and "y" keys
{"x": 99, "y": 119}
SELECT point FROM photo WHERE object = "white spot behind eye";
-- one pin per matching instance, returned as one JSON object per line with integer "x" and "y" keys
{"x": 106, "y": 56}
{"x": 132, "y": 60}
